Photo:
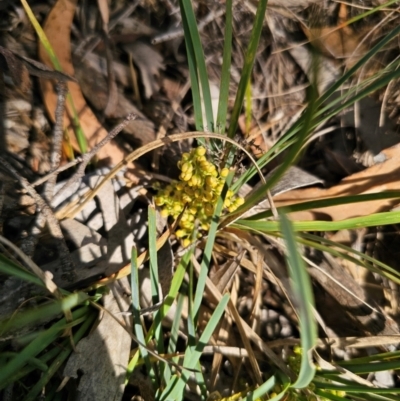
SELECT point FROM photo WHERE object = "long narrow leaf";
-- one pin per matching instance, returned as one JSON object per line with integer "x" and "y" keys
{"x": 43, "y": 340}
{"x": 137, "y": 324}
{"x": 174, "y": 389}
{"x": 225, "y": 71}
{"x": 212, "y": 232}
{"x": 376, "y": 219}
{"x": 302, "y": 289}
{"x": 248, "y": 66}
{"x": 192, "y": 34}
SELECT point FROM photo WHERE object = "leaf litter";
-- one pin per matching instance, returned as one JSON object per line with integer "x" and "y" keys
{"x": 94, "y": 43}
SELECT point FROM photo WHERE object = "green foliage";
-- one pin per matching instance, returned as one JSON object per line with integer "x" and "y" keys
{"x": 203, "y": 193}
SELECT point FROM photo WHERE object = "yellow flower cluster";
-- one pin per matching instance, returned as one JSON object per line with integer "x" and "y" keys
{"x": 195, "y": 194}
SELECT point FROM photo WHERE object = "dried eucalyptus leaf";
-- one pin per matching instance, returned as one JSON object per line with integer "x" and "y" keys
{"x": 294, "y": 178}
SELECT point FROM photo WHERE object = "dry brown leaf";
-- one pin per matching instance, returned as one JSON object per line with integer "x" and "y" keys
{"x": 378, "y": 178}
{"x": 340, "y": 42}
{"x": 58, "y": 28}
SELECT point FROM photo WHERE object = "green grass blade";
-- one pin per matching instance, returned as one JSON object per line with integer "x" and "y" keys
{"x": 382, "y": 81}
{"x": 192, "y": 34}
{"x": 48, "y": 356}
{"x": 137, "y": 323}
{"x": 362, "y": 62}
{"x": 42, "y": 341}
{"x": 328, "y": 110}
{"x": 193, "y": 73}
{"x": 356, "y": 388}
{"x": 42, "y": 313}
{"x": 248, "y": 66}
{"x": 154, "y": 277}
{"x": 365, "y": 397}
{"x": 359, "y": 258}
{"x": 376, "y": 219}
{"x": 175, "y": 388}
{"x": 225, "y": 71}
{"x": 291, "y": 156}
{"x": 336, "y": 201}
{"x": 42, "y": 36}
{"x": 205, "y": 263}
{"x": 262, "y": 390}
{"x": 33, "y": 393}
{"x": 12, "y": 269}
{"x": 302, "y": 289}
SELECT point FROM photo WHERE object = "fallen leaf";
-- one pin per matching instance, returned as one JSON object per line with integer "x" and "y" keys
{"x": 58, "y": 28}
{"x": 339, "y": 42}
{"x": 381, "y": 177}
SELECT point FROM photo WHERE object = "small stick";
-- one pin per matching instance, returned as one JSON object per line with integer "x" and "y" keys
{"x": 57, "y": 171}
{"x": 77, "y": 160}
{"x": 73, "y": 183}
{"x": 55, "y": 155}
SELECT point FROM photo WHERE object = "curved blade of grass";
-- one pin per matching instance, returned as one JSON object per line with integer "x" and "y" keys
{"x": 192, "y": 35}
{"x": 248, "y": 66}
{"x": 45, "y": 312}
{"x": 175, "y": 388}
{"x": 274, "y": 151}
{"x": 262, "y": 390}
{"x": 225, "y": 70}
{"x": 33, "y": 393}
{"x": 326, "y": 245}
{"x": 266, "y": 387}
{"x": 174, "y": 334}
{"x": 376, "y": 219}
{"x": 80, "y": 135}
{"x": 302, "y": 289}
{"x": 42, "y": 341}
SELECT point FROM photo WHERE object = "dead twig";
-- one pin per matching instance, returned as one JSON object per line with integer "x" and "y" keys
{"x": 55, "y": 155}
{"x": 72, "y": 185}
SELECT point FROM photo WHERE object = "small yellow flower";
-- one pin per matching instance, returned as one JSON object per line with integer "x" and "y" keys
{"x": 198, "y": 189}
